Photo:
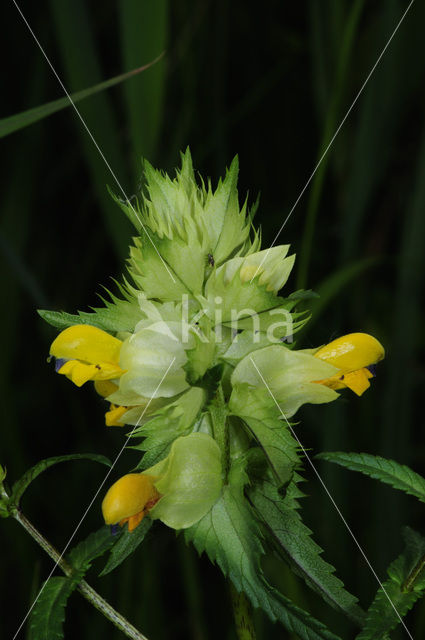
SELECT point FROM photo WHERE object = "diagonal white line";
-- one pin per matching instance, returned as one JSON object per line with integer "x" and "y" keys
{"x": 127, "y": 201}
{"x": 347, "y": 526}
{"x": 335, "y": 135}
{"x": 93, "y": 499}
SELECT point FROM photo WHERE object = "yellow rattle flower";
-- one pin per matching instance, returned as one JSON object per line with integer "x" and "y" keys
{"x": 355, "y": 356}
{"x": 85, "y": 353}
{"x": 129, "y": 499}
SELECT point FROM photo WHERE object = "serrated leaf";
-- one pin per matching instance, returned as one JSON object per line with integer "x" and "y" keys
{"x": 264, "y": 421}
{"x": 405, "y": 585}
{"x": 293, "y": 541}
{"x": 22, "y": 484}
{"x": 126, "y": 545}
{"x": 95, "y": 545}
{"x": 231, "y": 538}
{"x": 388, "y": 471}
{"x": 167, "y": 424}
{"x": 48, "y": 614}
{"x": 118, "y": 315}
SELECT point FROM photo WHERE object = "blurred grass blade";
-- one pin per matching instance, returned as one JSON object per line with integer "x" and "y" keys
{"x": 79, "y": 53}
{"x": 330, "y": 126}
{"x": 144, "y": 27}
{"x": 25, "y": 118}
{"x": 334, "y": 285}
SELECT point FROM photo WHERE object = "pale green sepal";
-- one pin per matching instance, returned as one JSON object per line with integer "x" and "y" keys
{"x": 269, "y": 267}
{"x": 2, "y": 474}
{"x": 189, "y": 481}
{"x": 288, "y": 375}
{"x": 153, "y": 358}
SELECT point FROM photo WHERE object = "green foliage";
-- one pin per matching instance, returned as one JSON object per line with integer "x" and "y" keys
{"x": 404, "y": 586}
{"x": 95, "y": 545}
{"x": 168, "y": 423}
{"x": 116, "y": 315}
{"x": 265, "y": 422}
{"x": 390, "y": 472}
{"x": 125, "y": 545}
{"x": 29, "y": 476}
{"x": 48, "y": 614}
{"x": 292, "y": 539}
{"x": 231, "y": 538}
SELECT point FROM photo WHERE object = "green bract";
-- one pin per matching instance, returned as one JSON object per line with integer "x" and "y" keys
{"x": 190, "y": 480}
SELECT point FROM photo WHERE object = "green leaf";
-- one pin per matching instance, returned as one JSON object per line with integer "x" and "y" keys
{"x": 48, "y": 613}
{"x": 95, "y": 545}
{"x": 293, "y": 541}
{"x": 405, "y": 585}
{"x": 126, "y": 544}
{"x": 231, "y": 538}
{"x": 25, "y": 118}
{"x": 167, "y": 424}
{"x": 116, "y": 315}
{"x": 264, "y": 421}
{"x": 388, "y": 471}
{"x": 23, "y": 483}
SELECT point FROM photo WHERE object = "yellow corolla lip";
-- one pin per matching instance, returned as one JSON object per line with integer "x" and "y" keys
{"x": 84, "y": 352}
{"x": 129, "y": 499}
{"x": 114, "y": 415}
{"x": 354, "y": 355}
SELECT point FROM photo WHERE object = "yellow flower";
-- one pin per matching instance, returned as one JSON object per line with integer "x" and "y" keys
{"x": 129, "y": 499}
{"x": 355, "y": 355}
{"x": 106, "y": 388}
{"x": 87, "y": 353}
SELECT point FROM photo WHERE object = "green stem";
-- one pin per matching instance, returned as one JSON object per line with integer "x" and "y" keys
{"x": 411, "y": 578}
{"x": 242, "y": 611}
{"x": 218, "y": 412}
{"x": 85, "y": 589}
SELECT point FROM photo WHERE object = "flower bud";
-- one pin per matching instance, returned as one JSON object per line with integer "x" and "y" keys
{"x": 129, "y": 499}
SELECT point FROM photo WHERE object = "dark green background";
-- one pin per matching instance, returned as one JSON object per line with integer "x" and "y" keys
{"x": 270, "y": 82}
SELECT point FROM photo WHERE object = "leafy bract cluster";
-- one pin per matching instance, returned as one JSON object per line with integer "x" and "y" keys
{"x": 196, "y": 355}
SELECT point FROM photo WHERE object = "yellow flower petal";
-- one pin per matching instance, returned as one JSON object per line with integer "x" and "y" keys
{"x": 352, "y": 352}
{"x": 113, "y": 416}
{"x": 87, "y": 343}
{"x": 357, "y": 381}
{"x": 129, "y": 496}
{"x": 105, "y": 387}
{"x": 78, "y": 372}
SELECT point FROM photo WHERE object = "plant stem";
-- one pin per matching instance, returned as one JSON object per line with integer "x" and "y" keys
{"x": 218, "y": 412}
{"x": 85, "y": 589}
{"x": 242, "y": 611}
